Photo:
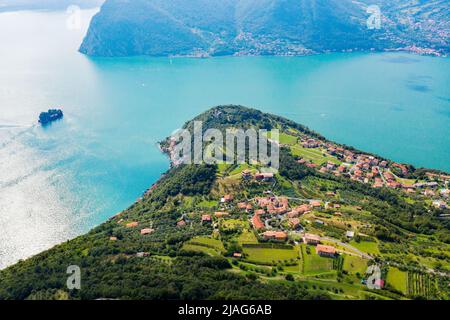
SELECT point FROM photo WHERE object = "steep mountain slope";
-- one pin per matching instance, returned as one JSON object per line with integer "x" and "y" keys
{"x": 157, "y": 27}
{"x": 318, "y": 25}
{"x": 262, "y": 27}
{"x": 193, "y": 235}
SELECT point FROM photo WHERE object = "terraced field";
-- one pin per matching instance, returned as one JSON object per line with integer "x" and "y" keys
{"x": 420, "y": 285}
{"x": 206, "y": 245}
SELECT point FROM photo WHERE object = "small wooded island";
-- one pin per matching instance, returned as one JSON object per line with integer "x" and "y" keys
{"x": 50, "y": 116}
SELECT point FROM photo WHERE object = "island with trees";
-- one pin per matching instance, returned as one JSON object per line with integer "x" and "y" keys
{"x": 50, "y": 116}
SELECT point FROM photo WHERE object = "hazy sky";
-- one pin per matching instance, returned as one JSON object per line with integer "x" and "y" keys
{"x": 6, "y": 5}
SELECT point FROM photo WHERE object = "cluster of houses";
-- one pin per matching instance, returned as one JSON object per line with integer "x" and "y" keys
{"x": 271, "y": 206}
{"x": 263, "y": 209}
{"x": 371, "y": 170}
{"x": 321, "y": 250}
{"x": 131, "y": 225}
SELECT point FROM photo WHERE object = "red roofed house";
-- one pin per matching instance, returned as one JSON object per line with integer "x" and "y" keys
{"x": 394, "y": 184}
{"x": 341, "y": 169}
{"x": 275, "y": 235}
{"x": 293, "y": 214}
{"x": 227, "y": 198}
{"x": 326, "y": 251}
{"x": 181, "y": 223}
{"x": 358, "y": 173}
{"x": 304, "y": 208}
{"x": 388, "y": 176}
{"x": 263, "y": 202}
{"x": 132, "y": 224}
{"x": 146, "y": 231}
{"x": 309, "y": 238}
{"x": 260, "y": 212}
{"x": 403, "y": 168}
{"x": 257, "y": 223}
{"x": 315, "y": 204}
{"x": 206, "y": 218}
{"x": 264, "y": 176}
{"x": 242, "y": 205}
{"x": 378, "y": 183}
{"x": 294, "y": 222}
{"x": 271, "y": 209}
{"x": 221, "y": 214}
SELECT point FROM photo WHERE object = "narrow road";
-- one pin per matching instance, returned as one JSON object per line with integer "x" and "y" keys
{"x": 346, "y": 245}
{"x": 382, "y": 176}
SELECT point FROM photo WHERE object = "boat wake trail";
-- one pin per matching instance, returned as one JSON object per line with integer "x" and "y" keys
{"x": 14, "y": 137}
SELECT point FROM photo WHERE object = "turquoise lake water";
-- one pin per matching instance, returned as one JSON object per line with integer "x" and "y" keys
{"x": 59, "y": 182}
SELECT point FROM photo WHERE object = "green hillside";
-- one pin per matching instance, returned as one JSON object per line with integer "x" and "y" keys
{"x": 163, "y": 248}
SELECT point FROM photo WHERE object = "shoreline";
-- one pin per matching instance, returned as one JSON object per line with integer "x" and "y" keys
{"x": 201, "y": 57}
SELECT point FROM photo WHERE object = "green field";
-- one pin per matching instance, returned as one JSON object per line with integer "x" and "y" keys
{"x": 397, "y": 279}
{"x": 247, "y": 236}
{"x": 206, "y": 245}
{"x": 269, "y": 255}
{"x": 284, "y": 138}
{"x": 313, "y": 263}
{"x": 196, "y": 248}
{"x": 315, "y": 155}
{"x": 287, "y": 139}
{"x": 355, "y": 264}
{"x": 366, "y": 246}
{"x": 208, "y": 204}
{"x": 208, "y": 242}
{"x": 223, "y": 167}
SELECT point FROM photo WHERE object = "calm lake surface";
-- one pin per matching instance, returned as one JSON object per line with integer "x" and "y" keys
{"x": 58, "y": 182}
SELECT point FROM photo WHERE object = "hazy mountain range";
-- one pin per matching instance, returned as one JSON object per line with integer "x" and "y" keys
{"x": 264, "y": 27}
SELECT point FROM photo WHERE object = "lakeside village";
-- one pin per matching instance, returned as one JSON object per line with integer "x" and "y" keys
{"x": 378, "y": 173}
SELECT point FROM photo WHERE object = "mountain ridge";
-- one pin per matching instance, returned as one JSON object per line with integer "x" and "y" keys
{"x": 204, "y": 28}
